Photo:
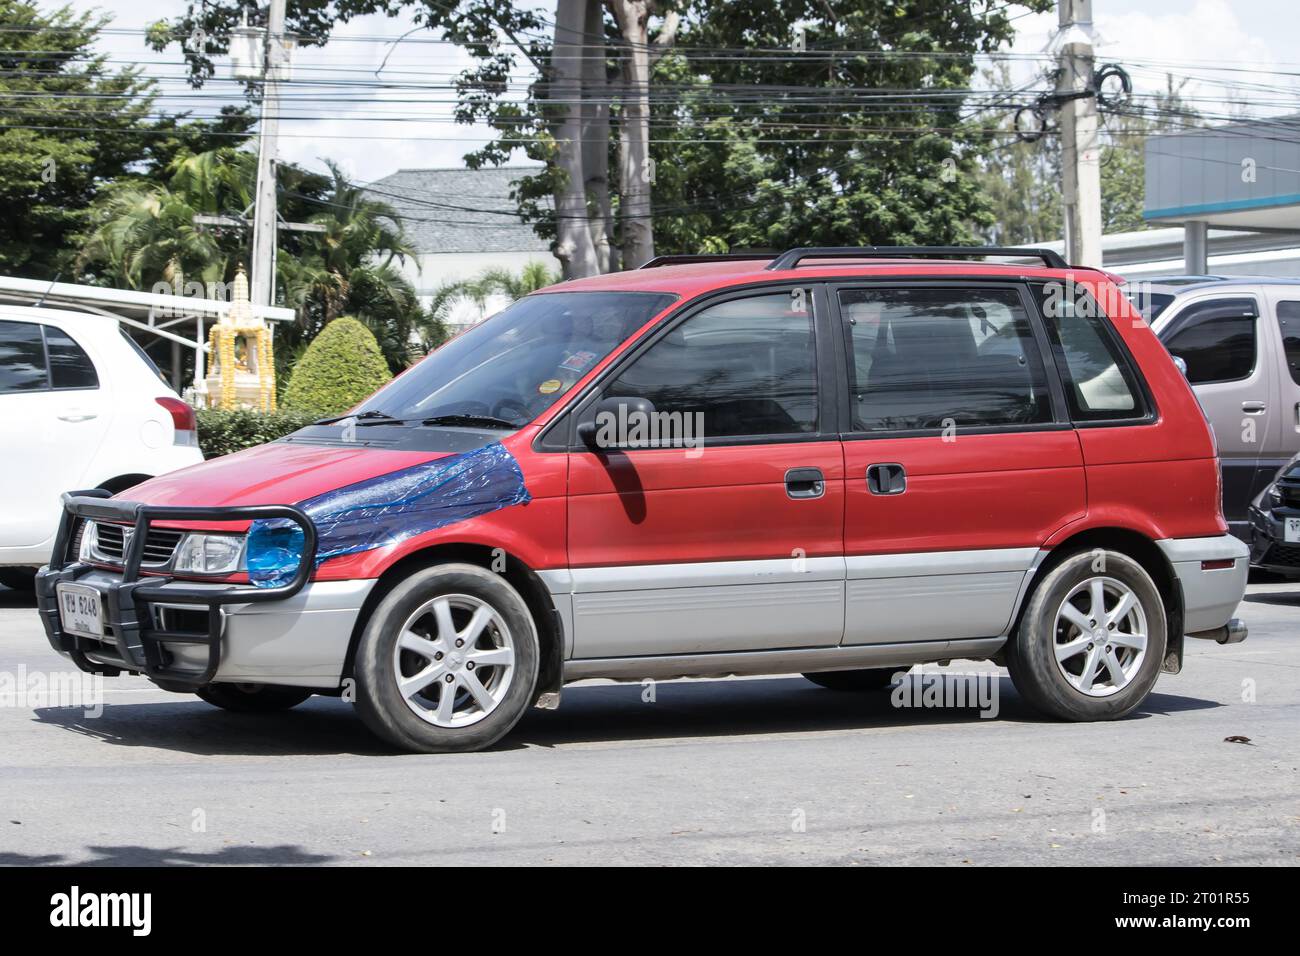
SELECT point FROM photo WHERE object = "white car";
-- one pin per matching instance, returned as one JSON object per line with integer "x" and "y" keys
{"x": 81, "y": 406}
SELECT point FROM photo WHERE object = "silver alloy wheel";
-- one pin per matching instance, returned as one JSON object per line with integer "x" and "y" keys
{"x": 454, "y": 660}
{"x": 1100, "y": 636}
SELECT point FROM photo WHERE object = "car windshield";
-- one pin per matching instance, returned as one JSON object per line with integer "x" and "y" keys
{"x": 518, "y": 363}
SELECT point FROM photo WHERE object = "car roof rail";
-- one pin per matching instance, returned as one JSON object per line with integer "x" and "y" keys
{"x": 685, "y": 260}
{"x": 792, "y": 257}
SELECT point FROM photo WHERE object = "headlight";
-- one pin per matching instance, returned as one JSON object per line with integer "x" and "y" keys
{"x": 209, "y": 554}
{"x": 89, "y": 541}
{"x": 275, "y": 549}
{"x": 1273, "y": 495}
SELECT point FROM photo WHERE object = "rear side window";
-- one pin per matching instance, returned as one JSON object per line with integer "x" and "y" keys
{"x": 1216, "y": 339}
{"x": 935, "y": 358}
{"x": 70, "y": 366}
{"x": 748, "y": 365}
{"x": 1099, "y": 384}
{"x": 1288, "y": 320}
{"x": 22, "y": 358}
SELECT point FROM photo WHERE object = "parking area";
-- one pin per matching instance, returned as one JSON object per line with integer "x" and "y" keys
{"x": 741, "y": 770}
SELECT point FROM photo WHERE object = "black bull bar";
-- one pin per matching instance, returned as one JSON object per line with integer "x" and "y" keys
{"x": 127, "y": 600}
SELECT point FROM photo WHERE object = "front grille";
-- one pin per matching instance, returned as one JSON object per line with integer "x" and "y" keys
{"x": 1286, "y": 555}
{"x": 159, "y": 546}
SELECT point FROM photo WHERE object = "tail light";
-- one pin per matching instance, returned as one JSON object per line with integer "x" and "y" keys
{"x": 183, "y": 422}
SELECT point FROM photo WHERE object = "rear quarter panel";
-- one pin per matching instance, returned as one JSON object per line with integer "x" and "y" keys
{"x": 1160, "y": 478}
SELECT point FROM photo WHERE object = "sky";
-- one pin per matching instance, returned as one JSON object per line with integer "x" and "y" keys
{"x": 1249, "y": 45}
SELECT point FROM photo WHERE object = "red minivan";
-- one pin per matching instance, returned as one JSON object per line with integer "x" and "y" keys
{"x": 840, "y": 462}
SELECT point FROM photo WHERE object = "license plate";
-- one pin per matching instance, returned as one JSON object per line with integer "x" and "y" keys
{"x": 1292, "y": 531}
{"x": 81, "y": 610}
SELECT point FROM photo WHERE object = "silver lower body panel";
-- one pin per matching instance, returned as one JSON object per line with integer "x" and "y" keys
{"x": 791, "y": 661}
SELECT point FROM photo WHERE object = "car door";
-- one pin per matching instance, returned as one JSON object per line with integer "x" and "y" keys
{"x": 51, "y": 424}
{"x": 958, "y": 460}
{"x": 1231, "y": 367}
{"x": 1283, "y": 441}
{"x": 729, "y": 544}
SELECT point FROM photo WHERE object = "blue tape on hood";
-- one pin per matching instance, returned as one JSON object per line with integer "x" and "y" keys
{"x": 390, "y": 508}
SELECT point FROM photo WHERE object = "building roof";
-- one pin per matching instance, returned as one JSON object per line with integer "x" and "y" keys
{"x": 1239, "y": 175}
{"x": 459, "y": 210}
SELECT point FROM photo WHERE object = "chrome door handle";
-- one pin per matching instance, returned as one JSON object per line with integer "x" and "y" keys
{"x": 75, "y": 417}
{"x": 1253, "y": 408}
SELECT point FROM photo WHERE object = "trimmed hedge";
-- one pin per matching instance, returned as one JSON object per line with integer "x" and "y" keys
{"x": 222, "y": 431}
{"x": 341, "y": 366}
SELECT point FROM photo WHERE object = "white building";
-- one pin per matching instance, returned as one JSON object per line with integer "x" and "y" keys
{"x": 462, "y": 222}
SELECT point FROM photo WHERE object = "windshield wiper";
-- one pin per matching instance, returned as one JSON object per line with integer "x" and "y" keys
{"x": 470, "y": 421}
{"x": 371, "y": 417}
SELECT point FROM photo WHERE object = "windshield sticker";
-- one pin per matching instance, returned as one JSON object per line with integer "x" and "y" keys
{"x": 550, "y": 386}
{"x": 578, "y": 361}
{"x": 388, "y": 509}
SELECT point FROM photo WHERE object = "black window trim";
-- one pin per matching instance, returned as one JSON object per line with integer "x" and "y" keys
{"x": 549, "y": 440}
{"x": 49, "y": 369}
{"x": 1177, "y": 325}
{"x": 1060, "y": 419}
{"x": 1120, "y": 349}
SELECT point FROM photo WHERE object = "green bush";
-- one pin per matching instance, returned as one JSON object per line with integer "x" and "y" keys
{"x": 222, "y": 431}
{"x": 341, "y": 367}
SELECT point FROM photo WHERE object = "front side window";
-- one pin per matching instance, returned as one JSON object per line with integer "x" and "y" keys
{"x": 1216, "y": 339}
{"x": 521, "y": 361}
{"x": 22, "y": 358}
{"x": 942, "y": 357}
{"x": 747, "y": 366}
{"x": 1099, "y": 385}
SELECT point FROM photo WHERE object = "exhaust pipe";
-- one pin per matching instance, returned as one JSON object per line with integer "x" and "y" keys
{"x": 1234, "y": 632}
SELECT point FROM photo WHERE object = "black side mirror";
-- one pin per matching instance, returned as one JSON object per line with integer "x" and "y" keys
{"x": 605, "y": 425}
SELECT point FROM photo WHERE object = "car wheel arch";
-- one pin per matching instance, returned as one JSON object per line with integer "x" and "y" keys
{"x": 1135, "y": 545}
{"x": 518, "y": 574}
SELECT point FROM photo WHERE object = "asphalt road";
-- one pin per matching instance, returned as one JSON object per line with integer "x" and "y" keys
{"x": 753, "y": 771}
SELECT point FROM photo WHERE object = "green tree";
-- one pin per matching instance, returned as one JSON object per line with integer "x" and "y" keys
{"x": 71, "y": 127}
{"x": 341, "y": 367}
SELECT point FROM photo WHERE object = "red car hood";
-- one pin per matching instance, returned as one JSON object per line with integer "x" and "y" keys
{"x": 280, "y": 473}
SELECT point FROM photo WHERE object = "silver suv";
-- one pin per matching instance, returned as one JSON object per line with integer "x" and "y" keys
{"x": 1238, "y": 339}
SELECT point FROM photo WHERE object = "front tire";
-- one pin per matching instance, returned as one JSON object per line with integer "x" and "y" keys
{"x": 447, "y": 662}
{"x": 1092, "y": 639}
{"x": 252, "y": 698}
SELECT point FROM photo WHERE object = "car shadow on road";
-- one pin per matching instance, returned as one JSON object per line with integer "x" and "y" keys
{"x": 784, "y": 705}
{"x": 1283, "y": 598}
{"x": 282, "y": 855}
{"x": 589, "y": 713}
{"x": 322, "y": 726}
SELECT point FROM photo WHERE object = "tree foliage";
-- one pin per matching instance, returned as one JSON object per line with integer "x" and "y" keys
{"x": 70, "y": 126}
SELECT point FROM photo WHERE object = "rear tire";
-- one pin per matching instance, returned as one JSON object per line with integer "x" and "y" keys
{"x": 18, "y": 579}
{"x": 1092, "y": 639}
{"x": 252, "y": 698}
{"x": 447, "y": 662}
{"x": 876, "y": 678}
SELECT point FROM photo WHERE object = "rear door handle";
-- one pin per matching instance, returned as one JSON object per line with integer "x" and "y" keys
{"x": 886, "y": 479}
{"x": 75, "y": 417}
{"x": 1253, "y": 408}
{"x": 805, "y": 483}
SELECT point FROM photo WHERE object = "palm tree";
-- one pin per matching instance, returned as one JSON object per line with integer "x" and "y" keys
{"x": 146, "y": 235}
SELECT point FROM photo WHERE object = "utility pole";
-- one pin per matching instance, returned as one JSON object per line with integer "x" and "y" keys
{"x": 1080, "y": 147}
{"x": 274, "y": 59}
